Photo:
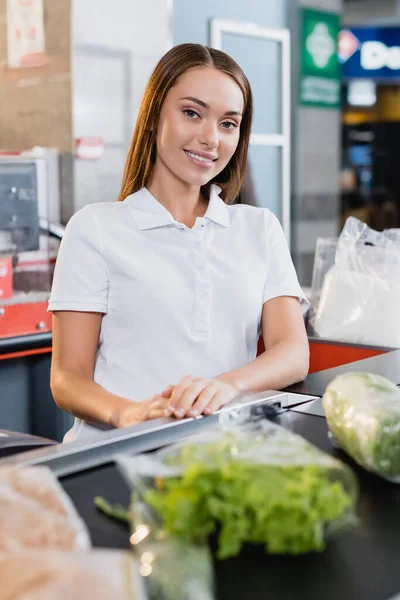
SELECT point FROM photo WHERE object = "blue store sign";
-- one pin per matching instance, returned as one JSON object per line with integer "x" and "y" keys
{"x": 370, "y": 52}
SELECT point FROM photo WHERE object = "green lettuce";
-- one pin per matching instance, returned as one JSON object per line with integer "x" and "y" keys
{"x": 286, "y": 508}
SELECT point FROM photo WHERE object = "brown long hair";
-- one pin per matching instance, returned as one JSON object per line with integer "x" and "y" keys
{"x": 141, "y": 156}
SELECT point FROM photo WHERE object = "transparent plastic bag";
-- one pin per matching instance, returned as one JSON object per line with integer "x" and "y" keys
{"x": 358, "y": 302}
{"x": 95, "y": 575}
{"x": 35, "y": 512}
{"x": 175, "y": 569}
{"x": 248, "y": 483}
{"x": 324, "y": 259}
{"x": 363, "y": 414}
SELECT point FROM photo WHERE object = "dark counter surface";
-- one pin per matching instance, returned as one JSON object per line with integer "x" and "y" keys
{"x": 360, "y": 564}
{"x": 387, "y": 365}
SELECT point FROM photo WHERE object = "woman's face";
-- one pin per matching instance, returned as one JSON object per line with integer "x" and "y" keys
{"x": 199, "y": 127}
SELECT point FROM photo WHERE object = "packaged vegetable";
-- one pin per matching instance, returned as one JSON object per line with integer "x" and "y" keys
{"x": 95, "y": 575}
{"x": 35, "y": 512}
{"x": 363, "y": 414}
{"x": 175, "y": 569}
{"x": 358, "y": 301}
{"x": 252, "y": 483}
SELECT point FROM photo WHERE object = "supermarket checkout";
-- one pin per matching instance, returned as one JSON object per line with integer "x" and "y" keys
{"x": 241, "y": 504}
{"x": 286, "y": 520}
{"x": 158, "y": 299}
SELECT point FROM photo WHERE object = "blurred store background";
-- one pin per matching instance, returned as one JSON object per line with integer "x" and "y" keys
{"x": 324, "y": 146}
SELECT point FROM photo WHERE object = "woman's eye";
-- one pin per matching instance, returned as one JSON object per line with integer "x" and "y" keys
{"x": 192, "y": 114}
{"x": 228, "y": 125}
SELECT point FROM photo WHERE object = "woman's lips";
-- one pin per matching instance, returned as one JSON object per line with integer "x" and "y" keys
{"x": 198, "y": 160}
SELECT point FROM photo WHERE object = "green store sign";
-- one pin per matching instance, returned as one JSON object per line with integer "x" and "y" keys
{"x": 320, "y": 70}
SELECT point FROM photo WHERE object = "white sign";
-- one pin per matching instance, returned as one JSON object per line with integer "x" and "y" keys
{"x": 321, "y": 45}
{"x": 362, "y": 92}
{"x": 25, "y": 33}
{"x": 376, "y": 55}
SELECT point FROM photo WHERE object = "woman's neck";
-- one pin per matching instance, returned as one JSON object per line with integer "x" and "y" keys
{"x": 183, "y": 201}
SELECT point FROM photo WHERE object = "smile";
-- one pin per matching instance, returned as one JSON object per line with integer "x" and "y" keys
{"x": 200, "y": 160}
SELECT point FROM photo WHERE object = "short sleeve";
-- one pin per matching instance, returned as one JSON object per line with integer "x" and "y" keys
{"x": 80, "y": 280}
{"x": 281, "y": 275}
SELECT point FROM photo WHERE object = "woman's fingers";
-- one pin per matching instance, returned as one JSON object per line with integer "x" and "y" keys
{"x": 178, "y": 392}
{"x": 168, "y": 391}
{"x": 137, "y": 412}
{"x": 202, "y": 401}
{"x": 220, "y": 399}
{"x": 194, "y": 396}
{"x": 189, "y": 396}
{"x": 179, "y": 389}
{"x": 157, "y": 412}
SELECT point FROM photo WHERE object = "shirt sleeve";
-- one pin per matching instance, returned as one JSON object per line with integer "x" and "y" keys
{"x": 281, "y": 275}
{"x": 81, "y": 279}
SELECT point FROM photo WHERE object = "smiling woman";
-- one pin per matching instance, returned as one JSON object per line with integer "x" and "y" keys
{"x": 159, "y": 299}
{"x": 197, "y": 135}
{"x": 184, "y": 82}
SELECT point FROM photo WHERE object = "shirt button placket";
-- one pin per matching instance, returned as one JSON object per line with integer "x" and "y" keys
{"x": 202, "y": 291}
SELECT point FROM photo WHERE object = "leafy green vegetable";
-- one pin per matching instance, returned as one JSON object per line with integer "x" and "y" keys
{"x": 363, "y": 413}
{"x": 114, "y": 511}
{"x": 180, "y": 570}
{"x": 286, "y": 508}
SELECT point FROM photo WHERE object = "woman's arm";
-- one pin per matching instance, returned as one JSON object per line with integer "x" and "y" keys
{"x": 286, "y": 357}
{"x": 75, "y": 340}
{"x": 285, "y": 361}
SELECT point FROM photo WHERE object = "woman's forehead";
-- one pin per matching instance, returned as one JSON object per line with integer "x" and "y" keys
{"x": 211, "y": 86}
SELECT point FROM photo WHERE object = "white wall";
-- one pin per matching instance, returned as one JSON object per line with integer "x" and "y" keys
{"x": 115, "y": 45}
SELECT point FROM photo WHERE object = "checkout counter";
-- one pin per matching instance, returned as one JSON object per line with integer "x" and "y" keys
{"x": 361, "y": 564}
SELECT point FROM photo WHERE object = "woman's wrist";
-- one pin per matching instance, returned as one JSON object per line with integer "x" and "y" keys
{"x": 232, "y": 378}
{"x": 117, "y": 412}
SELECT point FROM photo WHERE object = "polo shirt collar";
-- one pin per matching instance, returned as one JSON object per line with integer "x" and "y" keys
{"x": 217, "y": 210}
{"x": 149, "y": 213}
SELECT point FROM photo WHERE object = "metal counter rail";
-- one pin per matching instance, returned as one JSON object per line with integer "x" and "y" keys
{"x": 64, "y": 459}
{"x": 25, "y": 343}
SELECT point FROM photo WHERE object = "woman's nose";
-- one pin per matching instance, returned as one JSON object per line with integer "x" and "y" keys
{"x": 209, "y": 135}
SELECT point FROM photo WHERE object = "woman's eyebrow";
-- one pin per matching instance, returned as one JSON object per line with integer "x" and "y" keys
{"x": 207, "y": 107}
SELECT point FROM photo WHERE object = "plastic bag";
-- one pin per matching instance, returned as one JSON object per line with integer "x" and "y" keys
{"x": 363, "y": 413}
{"x": 324, "y": 259}
{"x": 250, "y": 483}
{"x": 359, "y": 297}
{"x": 174, "y": 568}
{"x": 96, "y": 575}
{"x": 35, "y": 512}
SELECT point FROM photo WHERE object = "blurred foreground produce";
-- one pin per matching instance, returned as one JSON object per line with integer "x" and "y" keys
{"x": 35, "y": 512}
{"x": 256, "y": 483}
{"x": 363, "y": 414}
{"x": 96, "y": 575}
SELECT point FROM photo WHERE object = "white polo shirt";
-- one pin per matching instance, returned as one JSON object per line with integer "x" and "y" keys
{"x": 176, "y": 301}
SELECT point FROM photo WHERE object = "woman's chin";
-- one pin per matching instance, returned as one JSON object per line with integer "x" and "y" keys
{"x": 198, "y": 180}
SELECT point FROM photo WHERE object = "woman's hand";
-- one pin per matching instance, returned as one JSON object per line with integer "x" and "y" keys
{"x": 198, "y": 395}
{"x": 137, "y": 412}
